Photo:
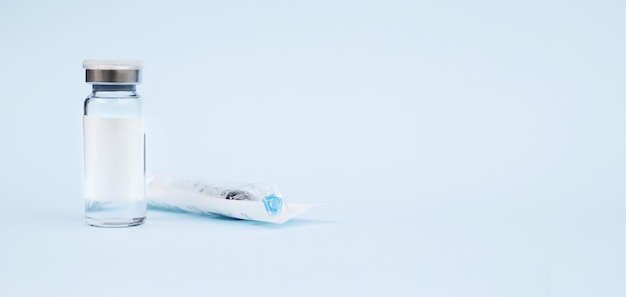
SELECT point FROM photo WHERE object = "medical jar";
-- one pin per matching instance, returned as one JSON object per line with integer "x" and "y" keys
{"x": 113, "y": 138}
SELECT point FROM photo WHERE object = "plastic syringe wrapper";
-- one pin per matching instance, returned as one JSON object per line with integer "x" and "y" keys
{"x": 246, "y": 201}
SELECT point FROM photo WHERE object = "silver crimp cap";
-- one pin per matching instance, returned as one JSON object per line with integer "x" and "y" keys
{"x": 113, "y": 71}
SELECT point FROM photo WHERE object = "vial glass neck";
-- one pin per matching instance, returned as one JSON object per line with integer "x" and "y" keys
{"x": 114, "y": 88}
{"x": 114, "y": 91}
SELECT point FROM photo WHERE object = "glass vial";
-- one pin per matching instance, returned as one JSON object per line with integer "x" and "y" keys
{"x": 114, "y": 145}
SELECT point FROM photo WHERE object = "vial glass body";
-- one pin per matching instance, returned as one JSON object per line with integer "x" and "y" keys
{"x": 114, "y": 156}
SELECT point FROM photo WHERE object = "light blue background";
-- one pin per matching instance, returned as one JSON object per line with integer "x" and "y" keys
{"x": 459, "y": 148}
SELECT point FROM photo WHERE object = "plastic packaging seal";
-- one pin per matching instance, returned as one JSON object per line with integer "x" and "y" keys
{"x": 246, "y": 201}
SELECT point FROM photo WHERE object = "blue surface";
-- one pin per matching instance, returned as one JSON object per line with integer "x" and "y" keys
{"x": 457, "y": 148}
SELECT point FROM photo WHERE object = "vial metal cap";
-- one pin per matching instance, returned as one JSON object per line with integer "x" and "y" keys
{"x": 113, "y": 71}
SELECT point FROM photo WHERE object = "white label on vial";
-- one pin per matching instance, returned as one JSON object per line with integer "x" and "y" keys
{"x": 114, "y": 159}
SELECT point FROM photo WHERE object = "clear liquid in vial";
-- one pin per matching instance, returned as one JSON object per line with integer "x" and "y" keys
{"x": 115, "y": 214}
